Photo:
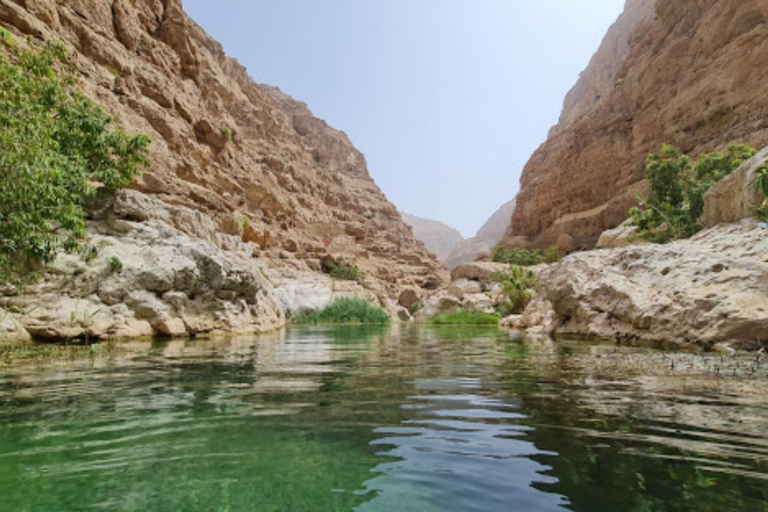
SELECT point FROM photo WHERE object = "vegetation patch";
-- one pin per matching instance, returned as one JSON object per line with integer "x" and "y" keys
{"x": 56, "y": 150}
{"x": 342, "y": 270}
{"x": 518, "y": 287}
{"x": 673, "y": 208}
{"x": 526, "y": 257}
{"x": 345, "y": 311}
{"x": 465, "y": 318}
{"x": 29, "y": 352}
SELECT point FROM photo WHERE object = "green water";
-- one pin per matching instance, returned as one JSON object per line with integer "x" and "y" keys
{"x": 402, "y": 419}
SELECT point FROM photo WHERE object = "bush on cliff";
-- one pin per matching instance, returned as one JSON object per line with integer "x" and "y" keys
{"x": 345, "y": 311}
{"x": 342, "y": 270}
{"x": 673, "y": 208}
{"x": 56, "y": 149}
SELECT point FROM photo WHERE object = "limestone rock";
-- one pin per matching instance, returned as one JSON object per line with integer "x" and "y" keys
{"x": 233, "y": 162}
{"x": 480, "y": 271}
{"x": 711, "y": 288}
{"x": 621, "y": 236}
{"x": 687, "y": 73}
{"x": 732, "y": 199}
{"x": 149, "y": 279}
{"x": 408, "y": 298}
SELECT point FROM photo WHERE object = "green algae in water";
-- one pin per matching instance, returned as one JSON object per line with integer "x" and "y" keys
{"x": 375, "y": 419}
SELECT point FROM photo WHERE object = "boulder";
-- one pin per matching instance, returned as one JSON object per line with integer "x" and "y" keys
{"x": 620, "y": 236}
{"x": 481, "y": 271}
{"x": 733, "y": 198}
{"x": 711, "y": 288}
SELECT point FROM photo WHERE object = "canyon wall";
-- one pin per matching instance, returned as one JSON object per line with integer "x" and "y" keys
{"x": 689, "y": 73}
{"x": 249, "y": 159}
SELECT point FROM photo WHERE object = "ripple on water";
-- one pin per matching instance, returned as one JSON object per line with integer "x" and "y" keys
{"x": 379, "y": 420}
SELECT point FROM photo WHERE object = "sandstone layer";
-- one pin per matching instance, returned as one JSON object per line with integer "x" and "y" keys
{"x": 687, "y": 73}
{"x": 251, "y": 163}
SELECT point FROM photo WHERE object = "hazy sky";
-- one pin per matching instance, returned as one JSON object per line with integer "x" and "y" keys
{"x": 447, "y": 99}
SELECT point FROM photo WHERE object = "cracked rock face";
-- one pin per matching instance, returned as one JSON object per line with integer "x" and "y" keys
{"x": 687, "y": 73}
{"x": 252, "y": 163}
{"x": 711, "y": 288}
{"x": 149, "y": 279}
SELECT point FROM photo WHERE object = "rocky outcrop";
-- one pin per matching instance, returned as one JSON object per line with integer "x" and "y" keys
{"x": 485, "y": 240}
{"x": 150, "y": 278}
{"x": 711, "y": 288}
{"x": 734, "y": 197}
{"x": 252, "y": 169}
{"x": 685, "y": 73}
{"x": 474, "y": 287}
{"x": 439, "y": 238}
{"x": 257, "y": 163}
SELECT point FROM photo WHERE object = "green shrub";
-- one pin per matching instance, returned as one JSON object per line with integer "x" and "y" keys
{"x": 115, "y": 265}
{"x": 465, "y": 318}
{"x": 518, "y": 256}
{"x": 552, "y": 255}
{"x": 674, "y": 206}
{"x": 56, "y": 148}
{"x": 517, "y": 286}
{"x": 342, "y": 270}
{"x": 526, "y": 257}
{"x": 345, "y": 311}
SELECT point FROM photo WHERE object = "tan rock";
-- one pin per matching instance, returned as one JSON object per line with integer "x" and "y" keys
{"x": 480, "y": 271}
{"x": 231, "y": 159}
{"x": 621, "y": 236}
{"x": 669, "y": 71}
{"x": 711, "y": 288}
{"x": 733, "y": 198}
{"x": 408, "y": 298}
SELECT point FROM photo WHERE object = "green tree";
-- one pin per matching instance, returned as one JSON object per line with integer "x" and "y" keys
{"x": 56, "y": 149}
{"x": 673, "y": 208}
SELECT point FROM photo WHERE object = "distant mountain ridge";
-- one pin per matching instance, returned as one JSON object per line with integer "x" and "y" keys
{"x": 486, "y": 238}
{"x": 447, "y": 243}
{"x": 439, "y": 238}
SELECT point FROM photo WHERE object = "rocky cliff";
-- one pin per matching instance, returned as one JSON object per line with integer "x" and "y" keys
{"x": 486, "y": 238}
{"x": 439, "y": 238}
{"x": 252, "y": 170}
{"x": 687, "y": 73}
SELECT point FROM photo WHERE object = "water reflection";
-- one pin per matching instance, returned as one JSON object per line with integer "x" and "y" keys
{"x": 377, "y": 419}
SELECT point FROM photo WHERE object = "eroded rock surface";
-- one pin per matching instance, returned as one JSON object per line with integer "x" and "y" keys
{"x": 150, "y": 278}
{"x": 254, "y": 162}
{"x": 711, "y": 288}
{"x": 688, "y": 73}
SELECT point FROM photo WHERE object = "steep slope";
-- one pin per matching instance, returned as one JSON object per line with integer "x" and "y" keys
{"x": 687, "y": 73}
{"x": 485, "y": 239}
{"x": 255, "y": 165}
{"x": 439, "y": 238}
